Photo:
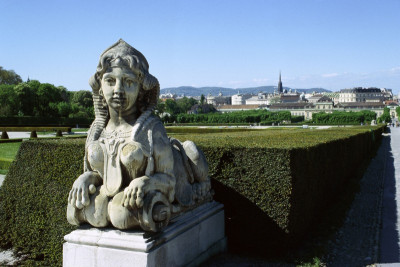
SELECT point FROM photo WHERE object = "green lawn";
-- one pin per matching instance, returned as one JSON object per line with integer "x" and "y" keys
{"x": 8, "y": 151}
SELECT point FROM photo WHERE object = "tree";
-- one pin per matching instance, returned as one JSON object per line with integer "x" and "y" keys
{"x": 82, "y": 98}
{"x": 385, "y": 117}
{"x": 63, "y": 93}
{"x": 185, "y": 104}
{"x": 47, "y": 94}
{"x": 26, "y": 98}
{"x": 160, "y": 108}
{"x": 171, "y": 107}
{"x": 9, "y": 77}
{"x": 202, "y": 99}
{"x": 9, "y": 104}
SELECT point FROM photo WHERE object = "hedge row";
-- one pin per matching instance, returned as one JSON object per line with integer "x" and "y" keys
{"x": 343, "y": 117}
{"x": 249, "y": 116}
{"x": 44, "y": 121}
{"x": 5, "y": 163}
{"x": 273, "y": 183}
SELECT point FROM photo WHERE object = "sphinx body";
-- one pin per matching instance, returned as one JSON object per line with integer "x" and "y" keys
{"x": 134, "y": 175}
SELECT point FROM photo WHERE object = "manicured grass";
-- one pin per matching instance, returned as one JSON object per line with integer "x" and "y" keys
{"x": 9, "y": 150}
{"x": 266, "y": 138}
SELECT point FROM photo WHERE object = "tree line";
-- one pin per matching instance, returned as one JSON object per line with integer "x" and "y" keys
{"x": 36, "y": 99}
{"x": 343, "y": 117}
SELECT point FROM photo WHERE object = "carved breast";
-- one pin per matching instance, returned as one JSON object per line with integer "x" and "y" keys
{"x": 95, "y": 156}
{"x": 133, "y": 158}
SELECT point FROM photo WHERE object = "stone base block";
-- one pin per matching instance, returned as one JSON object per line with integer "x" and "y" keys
{"x": 188, "y": 240}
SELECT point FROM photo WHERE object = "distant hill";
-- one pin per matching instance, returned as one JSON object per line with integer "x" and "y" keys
{"x": 198, "y": 91}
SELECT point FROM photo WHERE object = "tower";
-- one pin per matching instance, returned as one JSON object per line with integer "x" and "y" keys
{"x": 280, "y": 89}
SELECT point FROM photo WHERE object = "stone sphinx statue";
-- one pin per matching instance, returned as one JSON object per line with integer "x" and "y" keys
{"x": 134, "y": 175}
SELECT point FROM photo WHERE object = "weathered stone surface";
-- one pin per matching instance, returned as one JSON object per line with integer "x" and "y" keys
{"x": 188, "y": 240}
{"x": 135, "y": 176}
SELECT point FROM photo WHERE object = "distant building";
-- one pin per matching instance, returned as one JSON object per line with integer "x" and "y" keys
{"x": 360, "y": 94}
{"x": 296, "y": 109}
{"x": 334, "y": 96}
{"x": 360, "y": 106}
{"x": 290, "y": 98}
{"x": 387, "y": 94}
{"x": 218, "y": 100}
{"x": 239, "y": 99}
{"x": 166, "y": 96}
{"x": 231, "y": 108}
{"x": 324, "y": 103}
{"x": 260, "y": 99}
{"x": 314, "y": 98}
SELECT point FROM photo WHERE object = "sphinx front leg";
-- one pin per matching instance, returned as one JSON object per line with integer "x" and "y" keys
{"x": 122, "y": 217}
{"x": 96, "y": 213}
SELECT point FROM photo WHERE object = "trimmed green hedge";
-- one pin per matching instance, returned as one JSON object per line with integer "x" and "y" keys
{"x": 343, "y": 117}
{"x": 273, "y": 183}
{"x": 34, "y": 194}
{"x": 5, "y": 163}
{"x": 44, "y": 121}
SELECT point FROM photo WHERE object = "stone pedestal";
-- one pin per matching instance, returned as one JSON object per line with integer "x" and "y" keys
{"x": 188, "y": 240}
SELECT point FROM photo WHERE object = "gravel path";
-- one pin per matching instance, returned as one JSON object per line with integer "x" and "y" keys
{"x": 389, "y": 249}
{"x": 369, "y": 235}
{"x": 357, "y": 241}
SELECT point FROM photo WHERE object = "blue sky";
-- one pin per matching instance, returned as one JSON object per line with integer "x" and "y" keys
{"x": 332, "y": 44}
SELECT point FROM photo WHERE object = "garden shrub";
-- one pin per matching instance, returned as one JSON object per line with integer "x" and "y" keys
{"x": 33, "y": 197}
{"x": 274, "y": 184}
{"x": 343, "y": 117}
{"x": 5, "y": 163}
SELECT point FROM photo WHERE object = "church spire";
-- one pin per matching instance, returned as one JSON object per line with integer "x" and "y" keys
{"x": 280, "y": 89}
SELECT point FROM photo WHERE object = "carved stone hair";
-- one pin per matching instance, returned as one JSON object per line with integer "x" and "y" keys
{"x": 121, "y": 53}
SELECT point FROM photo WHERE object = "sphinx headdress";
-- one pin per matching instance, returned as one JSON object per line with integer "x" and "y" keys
{"x": 123, "y": 55}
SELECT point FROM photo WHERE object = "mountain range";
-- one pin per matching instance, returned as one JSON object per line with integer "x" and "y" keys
{"x": 198, "y": 91}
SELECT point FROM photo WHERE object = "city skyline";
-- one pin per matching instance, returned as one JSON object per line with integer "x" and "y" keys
{"x": 236, "y": 44}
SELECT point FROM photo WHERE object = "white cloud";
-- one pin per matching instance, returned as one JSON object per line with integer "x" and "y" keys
{"x": 329, "y": 75}
{"x": 395, "y": 69}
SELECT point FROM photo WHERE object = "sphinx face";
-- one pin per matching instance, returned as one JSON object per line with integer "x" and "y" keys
{"x": 120, "y": 88}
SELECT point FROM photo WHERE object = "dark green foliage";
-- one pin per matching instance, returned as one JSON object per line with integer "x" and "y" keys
{"x": 8, "y": 100}
{"x": 385, "y": 117}
{"x": 251, "y": 116}
{"x": 398, "y": 112}
{"x": 283, "y": 185}
{"x": 33, "y": 198}
{"x": 9, "y": 77}
{"x": 45, "y": 121}
{"x": 5, "y": 163}
{"x": 33, "y": 134}
{"x": 10, "y": 140}
{"x": 44, "y": 100}
{"x": 273, "y": 183}
{"x": 343, "y": 117}
{"x": 4, "y": 135}
{"x": 295, "y": 119}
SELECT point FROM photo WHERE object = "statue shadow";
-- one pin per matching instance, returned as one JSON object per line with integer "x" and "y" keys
{"x": 250, "y": 231}
{"x": 389, "y": 236}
